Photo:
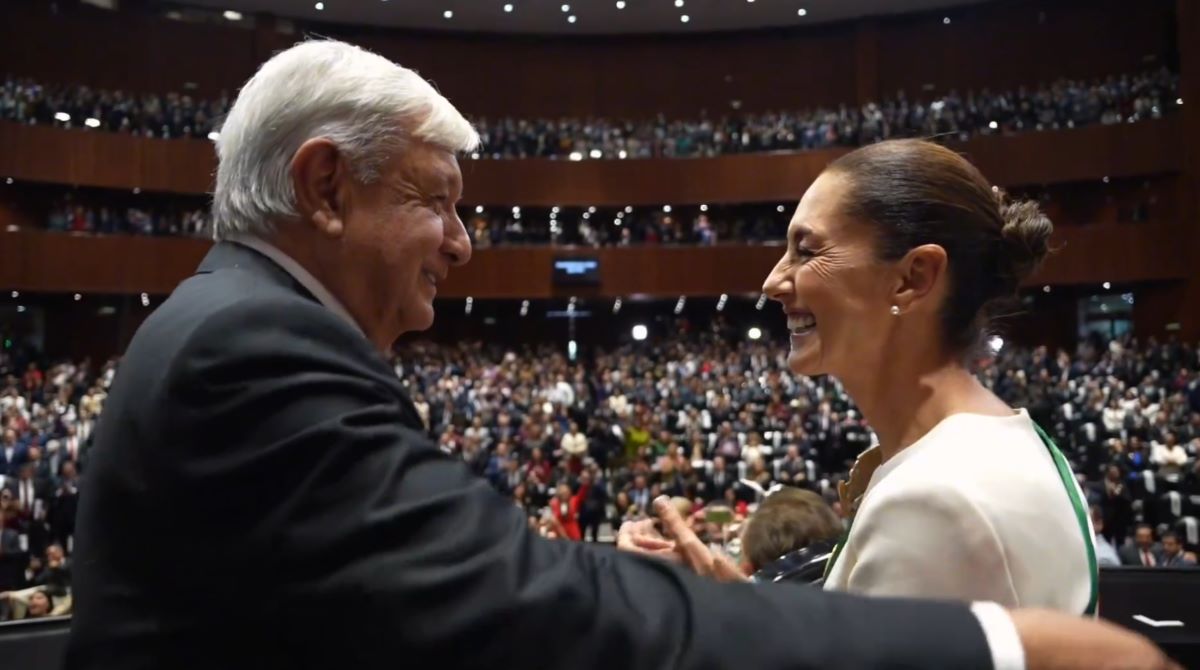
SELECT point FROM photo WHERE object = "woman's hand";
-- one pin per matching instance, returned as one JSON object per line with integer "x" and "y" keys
{"x": 641, "y": 537}
{"x": 694, "y": 553}
{"x": 677, "y": 543}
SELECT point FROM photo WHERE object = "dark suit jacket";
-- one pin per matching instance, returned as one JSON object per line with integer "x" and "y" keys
{"x": 9, "y": 466}
{"x": 1131, "y": 555}
{"x": 249, "y": 425}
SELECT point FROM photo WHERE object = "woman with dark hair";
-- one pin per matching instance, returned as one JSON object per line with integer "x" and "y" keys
{"x": 899, "y": 257}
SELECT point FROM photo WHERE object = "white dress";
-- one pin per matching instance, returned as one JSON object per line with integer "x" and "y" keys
{"x": 977, "y": 509}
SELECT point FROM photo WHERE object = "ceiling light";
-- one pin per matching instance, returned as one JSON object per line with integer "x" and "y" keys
{"x": 21, "y": 308}
{"x": 1179, "y": 101}
{"x": 595, "y": 153}
{"x": 232, "y": 15}
{"x": 16, "y": 294}
{"x": 754, "y": 333}
{"x": 78, "y": 297}
{"x": 592, "y": 210}
{"x": 621, "y": 154}
{"x": 516, "y": 210}
{"x": 779, "y": 209}
{"x": 1107, "y": 285}
{"x": 620, "y": 4}
{"x": 575, "y": 155}
{"x": 993, "y": 125}
{"x": 1105, "y": 180}
{"x": 92, "y": 122}
{"x": 137, "y": 190}
{"x": 566, "y": 8}
{"x": 628, "y": 209}
{"x": 479, "y": 209}
{"x": 684, "y": 19}
{"x": 320, "y": 6}
{"x": 703, "y": 208}
{"x": 508, "y": 8}
{"x": 214, "y": 136}
{"x": 8, "y": 180}
{"x": 1046, "y": 288}
{"x": 946, "y": 21}
{"x": 554, "y": 209}
{"x": 62, "y": 116}
{"x": 762, "y": 301}
{"x": 639, "y": 332}
{"x": 571, "y": 19}
{"x": 802, "y": 12}
{"x": 667, "y": 209}
{"x": 449, "y": 13}
{"x": 678, "y": 3}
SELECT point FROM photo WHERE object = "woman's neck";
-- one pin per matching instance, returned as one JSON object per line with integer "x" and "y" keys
{"x": 904, "y": 401}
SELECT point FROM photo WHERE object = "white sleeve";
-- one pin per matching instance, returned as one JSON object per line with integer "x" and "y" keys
{"x": 929, "y": 542}
{"x": 1001, "y": 634}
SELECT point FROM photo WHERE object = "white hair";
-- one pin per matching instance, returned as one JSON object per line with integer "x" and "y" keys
{"x": 362, "y": 102}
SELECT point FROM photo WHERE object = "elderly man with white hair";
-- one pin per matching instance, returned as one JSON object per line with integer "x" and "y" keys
{"x": 261, "y": 494}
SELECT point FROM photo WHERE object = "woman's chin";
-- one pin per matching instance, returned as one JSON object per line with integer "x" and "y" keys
{"x": 805, "y": 361}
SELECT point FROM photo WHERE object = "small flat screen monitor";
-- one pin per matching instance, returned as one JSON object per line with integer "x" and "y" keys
{"x": 578, "y": 271}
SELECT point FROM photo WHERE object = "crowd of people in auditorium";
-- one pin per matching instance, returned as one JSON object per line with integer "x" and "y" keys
{"x": 46, "y": 417}
{"x": 1064, "y": 103}
{"x": 714, "y": 421}
{"x": 73, "y": 217}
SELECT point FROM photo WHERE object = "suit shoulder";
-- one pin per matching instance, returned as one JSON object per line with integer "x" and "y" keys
{"x": 237, "y": 308}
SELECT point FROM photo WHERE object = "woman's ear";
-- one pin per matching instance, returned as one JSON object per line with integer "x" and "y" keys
{"x": 922, "y": 274}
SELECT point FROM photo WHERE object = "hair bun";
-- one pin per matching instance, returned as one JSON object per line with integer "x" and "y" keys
{"x": 1026, "y": 234}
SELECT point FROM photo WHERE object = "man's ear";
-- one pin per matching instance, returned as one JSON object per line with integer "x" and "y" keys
{"x": 318, "y": 175}
{"x": 921, "y": 273}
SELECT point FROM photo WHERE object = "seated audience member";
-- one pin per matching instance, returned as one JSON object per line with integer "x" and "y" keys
{"x": 38, "y": 606}
{"x": 1173, "y": 555}
{"x": 789, "y": 537}
{"x": 1106, "y": 553}
{"x": 1143, "y": 552}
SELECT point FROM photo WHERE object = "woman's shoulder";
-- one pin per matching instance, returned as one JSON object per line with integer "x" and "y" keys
{"x": 975, "y": 457}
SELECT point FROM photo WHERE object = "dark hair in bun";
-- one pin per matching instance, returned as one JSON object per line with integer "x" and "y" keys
{"x": 916, "y": 192}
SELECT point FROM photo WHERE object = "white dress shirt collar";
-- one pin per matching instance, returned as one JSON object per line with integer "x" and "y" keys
{"x": 297, "y": 271}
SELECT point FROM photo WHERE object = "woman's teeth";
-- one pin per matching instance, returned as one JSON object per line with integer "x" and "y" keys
{"x": 800, "y": 324}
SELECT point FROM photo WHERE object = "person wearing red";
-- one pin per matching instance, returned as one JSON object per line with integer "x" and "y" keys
{"x": 565, "y": 507}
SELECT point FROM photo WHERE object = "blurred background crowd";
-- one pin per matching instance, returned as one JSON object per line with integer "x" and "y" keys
{"x": 712, "y": 420}
{"x": 1064, "y": 103}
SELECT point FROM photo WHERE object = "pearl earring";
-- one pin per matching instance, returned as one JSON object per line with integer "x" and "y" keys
{"x": 895, "y": 310}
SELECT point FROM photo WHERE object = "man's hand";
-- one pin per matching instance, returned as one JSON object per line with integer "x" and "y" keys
{"x": 1055, "y": 641}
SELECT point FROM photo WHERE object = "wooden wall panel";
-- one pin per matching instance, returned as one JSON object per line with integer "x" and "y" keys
{"x": 85, "y": 158}
{"x": 59, "y": 262}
